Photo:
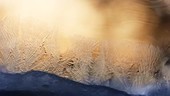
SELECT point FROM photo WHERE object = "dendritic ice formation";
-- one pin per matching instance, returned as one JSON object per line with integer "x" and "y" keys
{"x": 120, "y": 64}
{"x": 121, "y": 52}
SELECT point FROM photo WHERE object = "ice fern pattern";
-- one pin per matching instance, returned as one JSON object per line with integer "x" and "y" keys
{"x": 88, "y": 61}
{"x": 33, "y": 44}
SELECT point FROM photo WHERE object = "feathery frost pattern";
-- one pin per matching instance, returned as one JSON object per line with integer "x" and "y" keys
{"x": 87, "y": 61}
{"x": 34, "y": 44}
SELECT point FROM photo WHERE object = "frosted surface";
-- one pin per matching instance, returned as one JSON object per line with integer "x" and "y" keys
{"x": 34, "y": 43}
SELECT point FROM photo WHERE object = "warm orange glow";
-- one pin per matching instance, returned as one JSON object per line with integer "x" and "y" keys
{"x": 43, "y": 10}
{"x": 68, "y": 18}
{"x": 102, "y": 39}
